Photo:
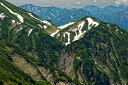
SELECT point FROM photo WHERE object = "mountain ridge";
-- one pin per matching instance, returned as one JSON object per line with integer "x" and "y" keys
{"x": 33, "y": 51}
{"x": 65, "y": 16}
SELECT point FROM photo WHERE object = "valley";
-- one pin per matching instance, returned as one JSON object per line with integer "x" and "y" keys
{"x": 34, "y": 51}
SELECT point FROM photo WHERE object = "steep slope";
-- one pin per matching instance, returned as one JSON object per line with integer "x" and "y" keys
{"x": 89, "y": 52}
{"x": 22, "y": 17}
{"x": 77, "y": 30}
{"x": 96, "y": 52}
{"x": 11, "y": 74}
{"x": 33, "y": 51}
{"x": 37, "y": 73}
{"x": 24, "y": 33}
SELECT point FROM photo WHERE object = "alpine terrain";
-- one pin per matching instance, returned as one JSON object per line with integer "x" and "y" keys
{"x": 36, "y": 52}
{"x": 60, "y": 16}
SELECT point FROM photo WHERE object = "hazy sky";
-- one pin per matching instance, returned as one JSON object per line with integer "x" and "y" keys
{"x": 68, "y": 3}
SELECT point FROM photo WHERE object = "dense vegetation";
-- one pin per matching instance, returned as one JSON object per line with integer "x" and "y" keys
{"x": 9, "y": 73}
{"x": 103, "y": 54}
{"x": 29, "y": 56}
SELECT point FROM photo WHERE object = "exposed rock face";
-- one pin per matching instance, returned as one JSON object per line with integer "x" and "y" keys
{"x": 45, "y": 72}
{"x": 66, "y": 62}
{"x": 26, "y": 67}
{"x": 95, "y": 53}
{"x": 63, "y": 83}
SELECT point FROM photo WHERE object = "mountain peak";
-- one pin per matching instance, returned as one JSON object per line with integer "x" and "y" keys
{"x": 83, "y": 52}
{"x": 75, "y": 30}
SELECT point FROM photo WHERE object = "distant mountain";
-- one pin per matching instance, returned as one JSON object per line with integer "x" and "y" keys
{"x": 84, "y": 52}
{"x": 61, "y": 16}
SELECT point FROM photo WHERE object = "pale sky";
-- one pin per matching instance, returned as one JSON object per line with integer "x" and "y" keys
{"x": 69, "y": 3}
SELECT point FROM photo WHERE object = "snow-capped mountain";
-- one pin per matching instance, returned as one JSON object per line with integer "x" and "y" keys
{"x": 84, "y": 52}
{"x": 61, "y": 16}
{"x": 75, "y": 30}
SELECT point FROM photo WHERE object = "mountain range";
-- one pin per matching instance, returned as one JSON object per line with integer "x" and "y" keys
{"x": 36, "y": 52}
{"x": 60, "y": 16}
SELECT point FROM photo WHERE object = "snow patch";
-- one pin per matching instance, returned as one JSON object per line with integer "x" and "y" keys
{"x": 108, "y": 26}
{"x": 19, "y": 29}
{"x": 72, "y": 17}
{"x": 2, "y": 15}
{"x": 40, "y": 26}
{"x": 16, "y": 14}
{"x": 66, "y": 25}
{"x": 68, "y": 38}
{"x": 58, "y": 35}
{"x": 53, "y": 34}
{"x": 78, "y": 36}
{"x": 46, "y": 22}
{"x": 53, "y": 15}
{"x": 79, "y": 33}
{"x": 64, "y": 35}
{"x": 45, "y": 27}
{"x": 30, "y": 14}
{"x": 117, "y": 30}
{"x": 13, "y": 21}
{"x": 30, "y": 32}
{"x": 57, "y": 13}
{"x": 92, "y": 23}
